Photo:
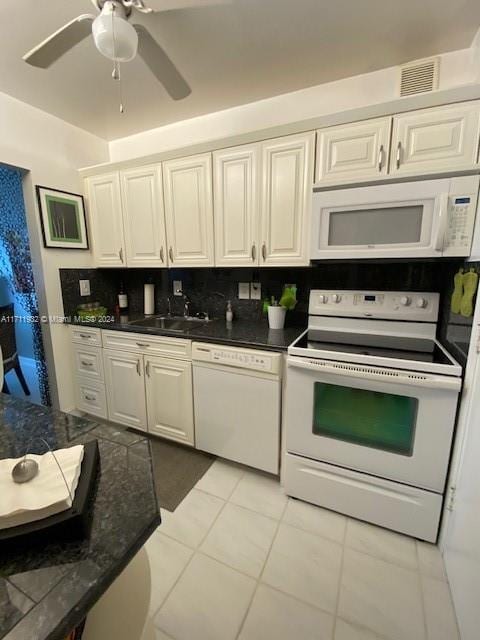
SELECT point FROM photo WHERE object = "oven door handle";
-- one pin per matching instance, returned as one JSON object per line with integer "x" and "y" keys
{"x": 365, "y": 372}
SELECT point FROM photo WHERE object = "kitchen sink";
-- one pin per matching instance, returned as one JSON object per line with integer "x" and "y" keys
{"x": 179, "y": 324}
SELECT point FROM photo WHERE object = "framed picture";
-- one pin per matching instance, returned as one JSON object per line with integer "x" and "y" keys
{"x": 63, "y": 219}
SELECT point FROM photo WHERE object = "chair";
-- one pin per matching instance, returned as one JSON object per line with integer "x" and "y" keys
{"x": 8, "y": 346}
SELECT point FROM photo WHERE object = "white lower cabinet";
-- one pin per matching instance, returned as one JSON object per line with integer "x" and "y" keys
{"x": 90, "y": 397}
{"x": 169, "y": 394}
{"x": 125, "y": 384}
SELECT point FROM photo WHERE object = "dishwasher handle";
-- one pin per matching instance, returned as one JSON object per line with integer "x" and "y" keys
{"x": 365, "y": 372}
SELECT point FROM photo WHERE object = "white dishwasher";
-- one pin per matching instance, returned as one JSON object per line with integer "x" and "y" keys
{"x": 237, "y": 398}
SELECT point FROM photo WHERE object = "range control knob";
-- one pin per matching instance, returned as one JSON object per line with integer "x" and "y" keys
{"x": 336, "y": 297}
{"x": 421, "y": 303}
{"x": 322, "y": 299}
{"x": 405, "y": 301}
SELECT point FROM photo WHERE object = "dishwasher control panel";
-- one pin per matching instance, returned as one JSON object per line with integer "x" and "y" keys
{"x": 235, "y": 357}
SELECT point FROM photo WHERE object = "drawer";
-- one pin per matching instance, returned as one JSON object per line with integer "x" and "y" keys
{"x": 396, "y": 506}
{"x": 146, "y": 344}
{"x": 86, "y": 335}
{"x": 91, "y": 397}
{"x": 88, "y": 362}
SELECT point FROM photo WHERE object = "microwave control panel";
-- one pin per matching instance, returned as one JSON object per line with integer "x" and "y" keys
{"x": 461, "y": 219}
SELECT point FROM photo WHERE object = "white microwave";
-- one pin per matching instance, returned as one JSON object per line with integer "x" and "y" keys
{"x": 421, "y": 219}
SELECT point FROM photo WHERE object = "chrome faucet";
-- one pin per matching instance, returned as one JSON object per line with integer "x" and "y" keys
{"x": 186, "y": 303}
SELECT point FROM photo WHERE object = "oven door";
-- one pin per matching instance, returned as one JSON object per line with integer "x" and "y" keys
{"x": 385, "y": 221}
{"x": 393, "y": 424}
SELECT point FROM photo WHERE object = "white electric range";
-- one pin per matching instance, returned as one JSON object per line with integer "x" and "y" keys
{"x": 371, "y": 402}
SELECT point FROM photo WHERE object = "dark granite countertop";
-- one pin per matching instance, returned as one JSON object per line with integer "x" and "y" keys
{"x": 240, "y": 333}
{"x": 47, "y": 591}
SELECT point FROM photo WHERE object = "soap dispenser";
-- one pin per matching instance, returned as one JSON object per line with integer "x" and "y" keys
{"x": 229, "y": 314}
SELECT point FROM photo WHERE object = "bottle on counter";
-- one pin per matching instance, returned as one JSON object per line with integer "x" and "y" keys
{"x": 122, "y": 299}
{"x": 229, "y": 313}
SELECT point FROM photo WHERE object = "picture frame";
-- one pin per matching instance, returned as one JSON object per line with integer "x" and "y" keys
{"x": 63, "y": 220}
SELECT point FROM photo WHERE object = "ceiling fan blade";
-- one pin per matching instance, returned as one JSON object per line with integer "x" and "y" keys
{"x": 51, "y": 49}
{"x": 171, "y": 5}
{"x": 161, "y": 65}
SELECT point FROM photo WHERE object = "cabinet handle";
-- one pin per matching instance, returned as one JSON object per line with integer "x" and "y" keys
{"x": 142, "y": 344}
{"x": 90, "y": 398}
{"x": 86, "y": 364}
{"x": 138, "y": 367}
{"x": 147, "y": 369}
{"x": 85, "y": 335}
{"x": 254, "y": 252}
{"x": 170, "y": 254}
{"x": 380, "y": 158}
{"x": 161, "y": 254}
{"x": 399, "y": 154}
{"x": 120, "y": 254}
{"x": 264, "y": 251}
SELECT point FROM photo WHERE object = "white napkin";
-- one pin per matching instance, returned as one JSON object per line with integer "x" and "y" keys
{"x": 43, "y": 496}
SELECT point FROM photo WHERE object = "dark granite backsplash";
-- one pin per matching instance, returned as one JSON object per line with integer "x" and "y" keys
{"x": 209, "y": 289}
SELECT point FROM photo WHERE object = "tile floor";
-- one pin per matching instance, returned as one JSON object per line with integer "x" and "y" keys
{"x": 238, "y": 559}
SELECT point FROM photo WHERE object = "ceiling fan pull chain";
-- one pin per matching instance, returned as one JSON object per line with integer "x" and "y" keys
{"x": 116, "y": 75}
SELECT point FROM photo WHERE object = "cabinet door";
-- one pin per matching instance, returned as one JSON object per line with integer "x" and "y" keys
{"x": 189, "y": 211}
{"x": 170, "y": 398}
{"x": 143, "y": 215}
{"x": 439, "y": 139}
{"x": 287, "y": 180}
{"x": 235, "y": 184}
{"x": 125, "y": 383}
{"x": 105, "y": 205}
{"x": 352, "y": 152}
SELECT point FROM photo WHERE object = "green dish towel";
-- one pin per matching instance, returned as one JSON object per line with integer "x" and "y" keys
{"x": 470, "y": 282}
{"x": 457, "y": 292}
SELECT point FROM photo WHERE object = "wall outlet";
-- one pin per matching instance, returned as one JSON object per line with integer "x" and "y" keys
{"x": 255, "y": 291}
{"x": 84, "y": 287}
{"x": 244, "y": 291}
{"x": 177, "y": 286}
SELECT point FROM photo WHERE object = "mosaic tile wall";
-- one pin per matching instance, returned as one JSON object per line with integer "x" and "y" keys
{"x": 15, "y": 261}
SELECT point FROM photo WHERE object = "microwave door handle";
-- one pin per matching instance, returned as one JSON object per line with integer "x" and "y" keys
{"x": 442, "y": 222}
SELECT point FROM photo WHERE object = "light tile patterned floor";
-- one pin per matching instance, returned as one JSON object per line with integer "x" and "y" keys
{"x": 238, "y": 559}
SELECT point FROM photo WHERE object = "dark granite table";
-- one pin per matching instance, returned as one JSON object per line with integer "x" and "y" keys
{"x": 45, "y": 592}
{"x": 239, "y": 333}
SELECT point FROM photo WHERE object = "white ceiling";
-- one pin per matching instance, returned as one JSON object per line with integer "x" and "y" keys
{"x": 230, "y": 54}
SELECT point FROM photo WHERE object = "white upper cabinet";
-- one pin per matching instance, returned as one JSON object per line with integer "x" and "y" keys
{"x": 287, "y": 180}
{"x": 143, "y": 217}
{"x": 189, "y": 211}
{"x": 236, "y": 181}
{"x": 106, "y": 224}
{"x": 433, "y": 140}
{"x": 353, "y": 152}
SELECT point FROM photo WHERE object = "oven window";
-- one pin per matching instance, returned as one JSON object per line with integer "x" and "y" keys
{"x": 369, "y": 418}
{"x": 388, "y": 225}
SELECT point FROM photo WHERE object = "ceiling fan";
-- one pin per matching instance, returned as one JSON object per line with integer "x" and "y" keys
{"x": 119, "y": 40}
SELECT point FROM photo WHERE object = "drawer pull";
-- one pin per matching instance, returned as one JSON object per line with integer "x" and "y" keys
{"x": 85, "y": 335}
{"x": 90, "y": 398}
{"x": 86, "y": 364}
{"x": 142, "y": 344}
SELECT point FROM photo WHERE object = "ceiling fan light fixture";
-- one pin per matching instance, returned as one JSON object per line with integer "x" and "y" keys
{"x": 114, "y": 37}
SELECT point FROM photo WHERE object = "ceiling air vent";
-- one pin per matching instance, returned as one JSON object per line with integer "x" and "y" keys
{"x": 419, "y": 76}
